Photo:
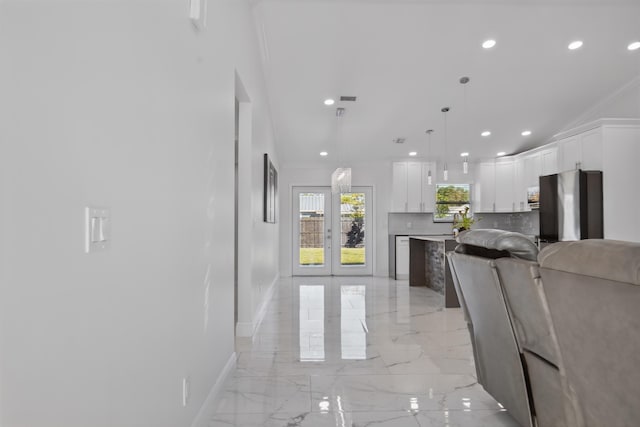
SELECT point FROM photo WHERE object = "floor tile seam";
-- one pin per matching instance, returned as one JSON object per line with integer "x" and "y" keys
{"x": 363, "y": 374}
{"x": 461, "y": 410}
{"x": 360, "y": 411}
{"x": 410, "y": 375}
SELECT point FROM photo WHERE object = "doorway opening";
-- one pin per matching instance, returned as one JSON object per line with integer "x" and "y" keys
{"x": 332, "y": 232}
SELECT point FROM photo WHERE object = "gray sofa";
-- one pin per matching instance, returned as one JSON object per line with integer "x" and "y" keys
{"x": 593, "y": 293}
{"x": 556, "y": 335}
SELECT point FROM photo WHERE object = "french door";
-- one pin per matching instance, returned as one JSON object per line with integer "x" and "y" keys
{"x": 332, "y": 232}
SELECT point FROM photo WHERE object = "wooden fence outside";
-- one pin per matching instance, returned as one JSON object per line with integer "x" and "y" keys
{"x": 312, "y": 232}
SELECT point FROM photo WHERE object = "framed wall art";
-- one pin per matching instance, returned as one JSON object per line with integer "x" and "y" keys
{"x": 270, "y": 190}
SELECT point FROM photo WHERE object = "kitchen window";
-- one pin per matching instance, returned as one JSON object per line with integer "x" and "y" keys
{"x": 450, "y": 200}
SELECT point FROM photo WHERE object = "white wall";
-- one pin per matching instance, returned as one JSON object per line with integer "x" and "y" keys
{"x": 623, "y": 103}
{"x": 376, "y": 175}
{"x": 120, "y": 104}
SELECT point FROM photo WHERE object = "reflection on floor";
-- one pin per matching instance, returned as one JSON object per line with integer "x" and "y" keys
{"x": 357, "y": 351}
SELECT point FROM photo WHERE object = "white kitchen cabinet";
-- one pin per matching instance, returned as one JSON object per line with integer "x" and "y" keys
{"x": 495, "y": 186}
{"x": 570, "y": 153}
{"x": 532, "y": 169}
{"x": 410, "y": 190}
{"x": 591, "y": 144}
{"x": 414, "y": 187}
{"x": 582, "y": 151}
{"x": 484, "y": 190}
{"x": 504, "y": 186}
{"x": 402, "y": 257}
{"x": 549, "y": 161}
{"x": 399, "y": 187}
{"x": 520, "y": 185}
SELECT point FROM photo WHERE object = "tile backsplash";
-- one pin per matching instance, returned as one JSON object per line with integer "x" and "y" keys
{"x": 422, "y": 223}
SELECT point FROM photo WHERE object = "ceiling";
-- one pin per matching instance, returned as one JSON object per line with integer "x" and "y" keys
{"x": 403, "y": 60}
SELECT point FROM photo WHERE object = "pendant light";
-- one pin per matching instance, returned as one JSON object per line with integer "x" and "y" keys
{"x": 445, "y": 174}
{"x": 341, "y": 177}
{"x": 429, "y": 179}
{"x": 463, "y": 82}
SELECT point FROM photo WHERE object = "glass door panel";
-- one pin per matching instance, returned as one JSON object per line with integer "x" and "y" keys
{"x": 353, "y": 254}
{"x": 312, "y": 232}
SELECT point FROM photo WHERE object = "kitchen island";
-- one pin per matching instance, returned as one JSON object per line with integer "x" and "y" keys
{"x": 428, "y": 265}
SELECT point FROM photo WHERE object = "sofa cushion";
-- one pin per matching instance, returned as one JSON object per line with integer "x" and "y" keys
{"x": 605, "y": 259}
{"x": 515, "y": 244}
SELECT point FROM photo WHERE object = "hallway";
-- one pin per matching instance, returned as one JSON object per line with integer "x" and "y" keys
{"x": 356, "y": 351}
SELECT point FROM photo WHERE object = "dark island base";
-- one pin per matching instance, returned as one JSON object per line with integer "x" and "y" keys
{"x": 428, "y": 266}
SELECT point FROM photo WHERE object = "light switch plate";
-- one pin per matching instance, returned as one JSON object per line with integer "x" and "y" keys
{"x": 97, "y": 229}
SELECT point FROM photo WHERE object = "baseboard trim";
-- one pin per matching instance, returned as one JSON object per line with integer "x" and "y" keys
{"x": 247, "y": 329}
{"x": 262, "y": 311}
{"x": 206, "y": 412}
{"x": 244, "y": 329}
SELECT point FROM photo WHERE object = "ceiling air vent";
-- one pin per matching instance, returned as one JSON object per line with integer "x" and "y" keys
{"x": 348, "y": 98}
{"x": 399, "y": 140}
{"x": 340, "y": 111}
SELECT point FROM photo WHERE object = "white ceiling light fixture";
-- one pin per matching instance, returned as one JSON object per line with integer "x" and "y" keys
{"x": 413, "y": 153}
{"x": 501, "y": 153}
{"x": 445, "y": 171}
{"x": 485, "y": 133}
{"x": 329, "y": 101}
{"x": 341, "y": 177}
{"x": 488, "y": 44}
{"x": 324, "y": 153}
{"x": 634, "y": 46}
{"x": 526, "y": 133}
{"x": 465, "y": 162}
{"x": 429, "y": 179}
{"x": 575, "y": 45}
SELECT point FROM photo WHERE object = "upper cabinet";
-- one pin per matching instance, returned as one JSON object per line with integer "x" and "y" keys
{"x": 410, "y": 191}
{"x": 484, "y": 188}
{"x": 549, "y": 161}
{"x": 501, "y": 185}
{"x": 505, "y": 191}
{"x": 399, "y": 190}
{"x": 581, "y": 151}
{"x": 612, "y": 146}
{"x": 494, "y": 186}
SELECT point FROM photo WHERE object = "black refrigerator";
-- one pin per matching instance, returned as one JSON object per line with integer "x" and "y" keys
{"x": 571, "y": 206}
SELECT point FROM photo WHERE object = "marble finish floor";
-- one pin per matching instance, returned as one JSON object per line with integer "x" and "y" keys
{"x": 355, "y": 352}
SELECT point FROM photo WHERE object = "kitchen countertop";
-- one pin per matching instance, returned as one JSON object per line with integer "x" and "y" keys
{"x": 435, "y": 238}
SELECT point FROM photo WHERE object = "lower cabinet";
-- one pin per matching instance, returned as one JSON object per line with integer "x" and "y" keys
{"x": 402, "y": 257}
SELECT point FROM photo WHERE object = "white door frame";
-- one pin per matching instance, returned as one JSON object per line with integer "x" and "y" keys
{"x": 332, "y": 247}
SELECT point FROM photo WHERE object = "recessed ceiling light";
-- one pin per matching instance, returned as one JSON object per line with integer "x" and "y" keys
{"x": 488, "y": 44}
{"x": 575, "y": 45}
{"x": 324, "y": 153}
{"x": 329, "y": 101}
{"x": 413, "y": 153}
{"x": 634, "y": 46}
{"x": 526, "y": 133}
{"x": 465, "y": 154}
{"x": 486, "y": 133}
{"x": 501, "y": 153}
